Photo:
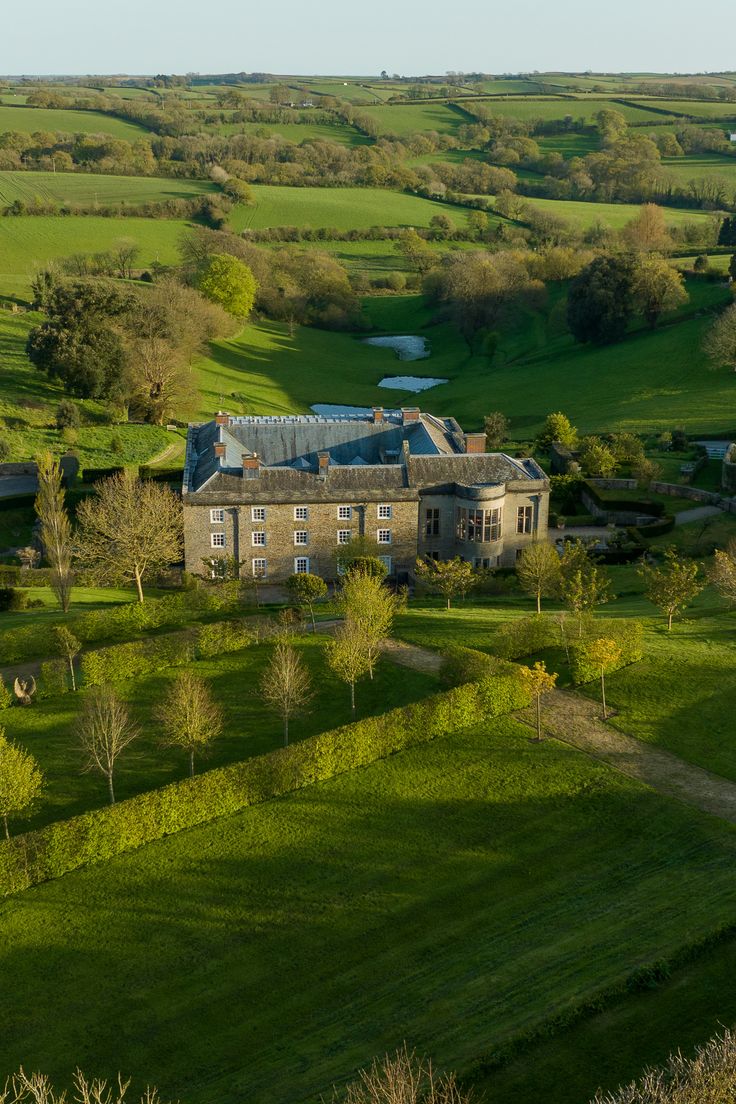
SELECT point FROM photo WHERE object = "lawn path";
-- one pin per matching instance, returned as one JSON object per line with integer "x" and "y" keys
{"x": 576, "y": 720}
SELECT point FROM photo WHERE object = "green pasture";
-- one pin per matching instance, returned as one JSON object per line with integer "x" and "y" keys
{"x": 405, "y": 119}
{"x": 702, "y": 167}
{"x": 29, "y": 120}
{"x": 87, "y": 190}
{"x": 341, "y": 208}
{"x": 251, "y": 727}
{"x": 431, "y": 897}
{"x": 376, "y": 259}
{"x": 348, "y": 90}
{"x": 548, "y": 109}
{"x": 297, "y": 132}
{"x": 651, "y": 381}
{"x": 582, "y": 215}
{"x": 696, "y": 109}
{"x": 27, "y": 242}
{"x": 569, "y": 145}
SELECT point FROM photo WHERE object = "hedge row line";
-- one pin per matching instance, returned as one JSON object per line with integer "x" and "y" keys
{"x": 529, "y": 635}
{"x": 126, "y": 620}
{"x": 607, "y": 500}
{"x": 100, "y": 834}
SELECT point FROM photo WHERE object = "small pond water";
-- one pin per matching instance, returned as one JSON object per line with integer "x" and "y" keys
{"x": 410, "y": 383}
{"x": 406, "y": 346}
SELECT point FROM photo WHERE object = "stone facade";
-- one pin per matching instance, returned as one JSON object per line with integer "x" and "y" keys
{"x": 282, "y": 494}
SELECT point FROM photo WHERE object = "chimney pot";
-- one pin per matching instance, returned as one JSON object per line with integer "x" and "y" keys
{"x": 251, "y": 467}
{"x": 219, "y": 449}
{"x": 323, "y": 459}
{"x": 475, "y": 442}
{"x": 377, "y": 414}
{"x": 409, "y": 414}
{"x": 222, "y": 419}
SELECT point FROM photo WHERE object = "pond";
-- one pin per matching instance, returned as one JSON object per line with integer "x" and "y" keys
{"x": 410, "y": 383}
{"x": 406, "y": 346}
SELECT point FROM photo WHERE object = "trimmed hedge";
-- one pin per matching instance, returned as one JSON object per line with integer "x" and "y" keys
{"x": 102, "y": 833}
{"x": 526, "y": 635}
{"x": 17, "y": 502}
{"x": 629, "y": 635}
{"x": 607, "y": 500}
{"x": 161, "y": 475}
{"x": 655, "y": 528}
{"x": 461, "y": 665}
{"x": 93, "y": 475}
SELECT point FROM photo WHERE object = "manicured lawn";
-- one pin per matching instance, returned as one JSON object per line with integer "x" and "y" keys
{"x": 28, "y": 120}
{"x": 251, "y": 727}
{"x": 613, "y": 1047}
{"x": 341, "y": 208}
{"x": 453, "y": 896}
{"x": 87, "y": 190}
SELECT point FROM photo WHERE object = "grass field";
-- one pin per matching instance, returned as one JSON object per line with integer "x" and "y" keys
{"x": 406, "y": 119}
{"x": 651, "y": 380}
{"x": 85, "y": 189}
{"x": 31, "y": 119}
{"x": 697, "y": 109}
{"x": 569, "y": 145}
{"x": 703, "y": 166}
{"x": 251, "y": 727}
{"x": 342, "y": 208}
{"x": 29, "y": 241}
{"x": 547, "y": 109}
{"x": 298, "y": 132}
{"x": 582, "y": 215}
{"x": 375, "y": 259}
{"x": 431, "y": 894}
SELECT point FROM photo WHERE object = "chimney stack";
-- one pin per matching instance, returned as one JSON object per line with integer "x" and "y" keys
{"x": 377, "y": 414}
{"x": 409, "y": 414}
{"x": 475, "y": 442}
{"x": 324, "y": 463}
{"x": 251, "y": 466}
{"x": 219, "y": 450}
{"x": 222, "y": 419}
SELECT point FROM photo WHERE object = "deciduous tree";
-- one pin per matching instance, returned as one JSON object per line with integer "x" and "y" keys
{"x": 229, "y": 282}
{"x": 538, "y": 571}
{"x": 69, "y": 647}
{"x": 496, "y": 426}
{"x": 105, "y": 731}
{"x": 349, "y": 656}
{"x": 401, "y": 1078}
{"x": 720, "y": 341}
{"x": 286, "y": 684}
{"x": 129, "y": 528}
{"x": 723, "y": 572}
{"x": 672, "y": 585}
{"x": 450, "y": 578}
{"x": 306, "y": 589}
{"x": 584, "y": 584}
{"x": 365, "y": 601}
{"x": 539, "y": 681}
{"x": 604, "y": 654}
{"x": 558, "y": 429}
{"x": 190, "y": 717}
{"x": 55, "y": 528}
{"x": 657, "y": 287}
{"x": 21, "y": 780}
{"x": 600, "y": 301}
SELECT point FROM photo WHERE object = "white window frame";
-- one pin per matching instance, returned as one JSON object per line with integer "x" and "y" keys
{"x": 255, "y": 538}
{"x": 344, "y": 536}
{"x": 384, "y": 512}
{"x": 217, "y": 516}
{"x": 344, "y": 513}
{"x": 301, "y": 560}
{"x": 258, "y": 513}
{"x": 301, "y": 513}
{"x": 386, "y": 561}
{"x": 218, "y": 540}
{"x": 380, "y": 540}
{"x": 301, "y": 538}
{"x": 259, "y": 572}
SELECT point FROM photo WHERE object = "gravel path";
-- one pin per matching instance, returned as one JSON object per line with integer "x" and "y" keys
{"x": 577, "y": 721}
{"x": 698, "y": 513}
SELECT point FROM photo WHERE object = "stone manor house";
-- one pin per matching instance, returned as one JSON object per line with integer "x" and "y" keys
{"x": 282, "y": 494}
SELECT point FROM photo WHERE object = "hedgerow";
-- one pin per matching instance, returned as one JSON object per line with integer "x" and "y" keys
{"x": 100, "y": 834}
{"x": 629, "y": 635}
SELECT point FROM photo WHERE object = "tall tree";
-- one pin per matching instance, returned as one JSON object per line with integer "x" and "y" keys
{"x": 720, "y": 340}
{"x": 496, "y": 426}
{"x": 450, "y": 578}
{"x": 105, "y": 731}
{"x": 557, "y": 429}
{"x": 55, "y": 528}
{"x": 286, "y": 684}
{"x": 538, "y": 571}
{"x": 366, "y": 602}
{"x": 647, "y": 232}
{"x": 21, "y": 780}
{"x": 229, "y": 282}
{"x": 672, "y": 585}
{"x": 349, "y": 656}
{"x": 190, "y": 717}
{"x": 600, "y": 303}
{"x": 584, "y": 584}
{"x": 657, "y": 287}
{"x": 129, "y": 528}
{"x": 722, "y": 574}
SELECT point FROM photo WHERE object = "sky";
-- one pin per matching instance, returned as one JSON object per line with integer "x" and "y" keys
{"x": 410, "y": 37}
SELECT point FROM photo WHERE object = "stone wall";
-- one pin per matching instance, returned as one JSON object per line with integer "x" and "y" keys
{"x": 728, "y": 475}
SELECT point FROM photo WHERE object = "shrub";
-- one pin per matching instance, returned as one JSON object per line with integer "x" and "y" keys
{"x": 67, "y": 415}
{"x": 137, "y": 657}
{"x": 12, "y": 599}
{"x": 9, "y": 574}
{"x": 70, "y": 436}
{"x": 222, "y": 636}
{"x": 6, "y": 698}
{"x": 98, "y": 835}
{"x": 525, "y": 636}
{"x": 629, "y": 635}
{"x": 461, "y": 665}
{"x": 117, "y": 444}
{"x": 53, "y": 678}
{"x": 6, "y": 449}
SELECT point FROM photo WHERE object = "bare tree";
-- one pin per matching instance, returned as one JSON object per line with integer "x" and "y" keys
{"x": 707, "y": 1078}
{"x": 36, "y": 1088}
{"x": 402, "y": 1078}
{"x": 286, "y": 684}
{"x": 105, "y": 731}
{"x": 129, "y": 528}
{"x": 349, "y": 656}
{"x": 55, "y": 528}
{"x": 189, "y": 715}
{"x": 69, "y": 647}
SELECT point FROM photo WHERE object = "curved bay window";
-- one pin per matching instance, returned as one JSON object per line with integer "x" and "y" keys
{"x": 479, "y": 526}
